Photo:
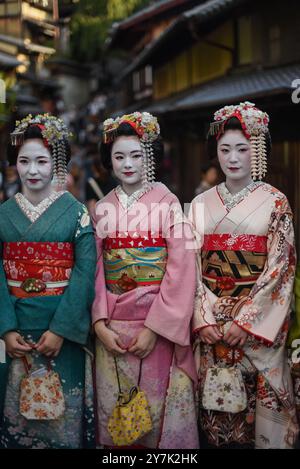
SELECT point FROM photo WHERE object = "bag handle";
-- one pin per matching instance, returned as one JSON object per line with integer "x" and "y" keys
{"x": 28, "y": 365}
{"x": 118, "y": 376}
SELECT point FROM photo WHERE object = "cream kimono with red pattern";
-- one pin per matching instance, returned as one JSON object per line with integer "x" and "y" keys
{"x": 248, "y": 266}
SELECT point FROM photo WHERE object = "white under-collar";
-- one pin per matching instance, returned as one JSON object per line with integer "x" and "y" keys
{"x": 33, "y": 212}
{"x": 127, "y": 201}
{"x": 231, "y": 200}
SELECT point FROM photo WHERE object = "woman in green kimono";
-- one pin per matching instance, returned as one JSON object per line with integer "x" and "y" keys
{"x": 46, "y": 289}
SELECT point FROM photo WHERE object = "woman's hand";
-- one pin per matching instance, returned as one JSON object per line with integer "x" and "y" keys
{"x": 49, "y": 344}
{"x": 235, "y": 336}
{"x": 16, "y": 347}
{"x": 143, "y": 344}
{"x": 210, "y": 335}
{"x": 109, "y": 338}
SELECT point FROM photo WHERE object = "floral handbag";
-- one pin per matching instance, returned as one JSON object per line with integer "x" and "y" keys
{"x": 224, "y": 389}
{"x": 130, "y": 418}
{"x": 41, "y": 394}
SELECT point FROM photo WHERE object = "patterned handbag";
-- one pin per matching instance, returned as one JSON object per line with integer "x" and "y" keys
{"x": 130, "y": 418}
{"x": 41, "y": 394}
{"x": 224, "y": 389}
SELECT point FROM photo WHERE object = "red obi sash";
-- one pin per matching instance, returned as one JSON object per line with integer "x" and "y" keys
{"x": 37, "y": 268}
{"x": 134, "y": 240}
{"x": 229, "y": 242}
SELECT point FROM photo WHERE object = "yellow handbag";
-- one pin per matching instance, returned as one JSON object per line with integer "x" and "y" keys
{"x": 130, "y": 419}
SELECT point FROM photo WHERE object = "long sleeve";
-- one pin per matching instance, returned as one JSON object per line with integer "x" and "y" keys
{"x": 171, "y": 311}
{"x": 204, "y": 298}
{"x": 204, "y": 303}
{"x": 269, "y": 301}
{"x": 72, "y": 317}
{"x": 8, "y": 319}
{"x": 99, "y": 309}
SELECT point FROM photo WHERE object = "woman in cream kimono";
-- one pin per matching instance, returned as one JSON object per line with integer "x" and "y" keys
{"x": 248, "y": 264}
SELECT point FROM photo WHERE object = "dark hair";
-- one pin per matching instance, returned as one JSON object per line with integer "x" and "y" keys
{"x": 232, "y": 124}
{"x": 126, "y": 130}
{"x": 32, "y": 132}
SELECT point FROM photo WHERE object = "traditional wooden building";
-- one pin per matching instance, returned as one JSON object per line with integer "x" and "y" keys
{"x": 221, "y": 52}
{"x": 30, "y": 33}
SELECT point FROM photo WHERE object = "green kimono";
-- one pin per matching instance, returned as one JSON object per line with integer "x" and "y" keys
{"x": 67, "y": 315}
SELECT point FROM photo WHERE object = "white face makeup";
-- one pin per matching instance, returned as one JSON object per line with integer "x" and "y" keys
{"x": 234, "y": 154}
{"x": 35, "y": 166}
{"x": 127, "y": 162}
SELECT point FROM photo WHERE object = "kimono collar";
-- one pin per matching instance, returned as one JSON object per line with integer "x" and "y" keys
{"x": 127, "y": 201}
{"x": 231, "y": 200}
{"x": 33, "y": 212}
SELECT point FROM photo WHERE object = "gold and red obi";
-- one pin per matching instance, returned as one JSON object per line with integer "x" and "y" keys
{"x": 37, "y": 268}
{"x": 132, "y": 261}
{"x": 231, "y": 264}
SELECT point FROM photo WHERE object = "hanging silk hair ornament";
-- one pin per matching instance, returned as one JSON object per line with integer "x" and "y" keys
{"x": 258, "y": 157}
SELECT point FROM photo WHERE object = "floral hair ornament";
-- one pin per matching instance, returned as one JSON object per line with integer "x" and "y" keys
{"x": 147, "y": 128}
{"x": 254, "y": 123}
{"x": 54, "y": 133}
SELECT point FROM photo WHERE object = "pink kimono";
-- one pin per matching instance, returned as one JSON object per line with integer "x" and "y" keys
{"x": 248, "y": 265}
{"x": 146, "y": 277}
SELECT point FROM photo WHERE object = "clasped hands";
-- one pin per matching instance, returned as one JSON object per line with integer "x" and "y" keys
{"x": 141, "y": 345}
{"x": 49, "y": 344}
{"x": 235, "y": 336}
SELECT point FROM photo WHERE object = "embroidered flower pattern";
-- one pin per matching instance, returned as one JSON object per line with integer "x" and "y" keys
{"x": 37, "y": 394}
{"x": 85, "y": 219}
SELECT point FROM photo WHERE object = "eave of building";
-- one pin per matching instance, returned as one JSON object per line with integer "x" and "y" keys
{"x": 26, "y": 45}
{"x": 231, "y": 89}
{"x": 8, "y": 61}
{"x": 139, "y": 19}
{"x": 201, "y": 14}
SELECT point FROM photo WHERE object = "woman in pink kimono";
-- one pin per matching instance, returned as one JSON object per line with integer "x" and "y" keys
{"x": 145, "y": 288}
{"x": 248, "y": 263}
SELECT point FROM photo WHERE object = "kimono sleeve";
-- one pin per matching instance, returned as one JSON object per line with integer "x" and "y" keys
{"x": 171, "y": 311}
{"x": 72, "y": 317}
{"x": 8, "y": 318}
{"x": 294, "y": 332}
{"x": 204, "y": 298}
{"x": 99, "y": 309}
{"x": 268, "y": 304}
{"x": 204, "y": 304}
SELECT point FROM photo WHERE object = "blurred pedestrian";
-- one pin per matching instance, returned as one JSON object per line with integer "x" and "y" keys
{"x": 209, "y": 178}
{"x": 100, "y": 183}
